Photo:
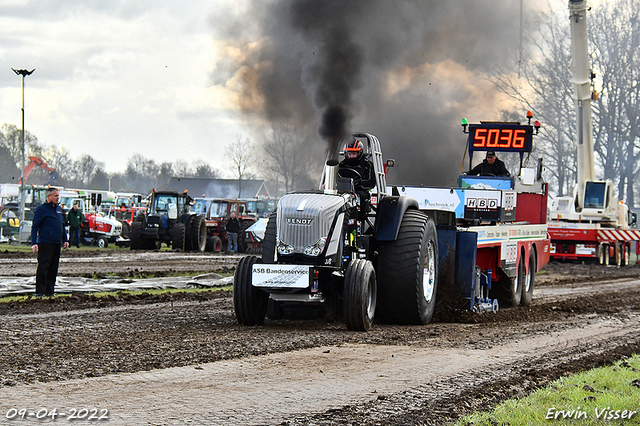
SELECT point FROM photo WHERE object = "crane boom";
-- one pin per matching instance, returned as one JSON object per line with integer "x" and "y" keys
{"x": 581, "y": 79}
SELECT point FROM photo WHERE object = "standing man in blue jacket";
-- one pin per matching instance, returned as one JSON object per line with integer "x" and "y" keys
{"x": 47, "y": 235}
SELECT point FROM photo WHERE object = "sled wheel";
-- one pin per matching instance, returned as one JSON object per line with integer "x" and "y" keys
{"x": 269, "y": 241}
{"x": 408, "y": 272}
{"x": 178, "y": 237}
{"x": 527, "y": 285}
{"x": 136, "y": 235}
{"x": 508, "y": 290}
{"x": 359, "y": 295}
{"x": 197, "y": 233}
{"x": 249, "y": 303}
{"x": 214, "y": 244}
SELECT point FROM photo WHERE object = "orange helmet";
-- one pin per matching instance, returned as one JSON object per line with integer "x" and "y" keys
{"x": 353, "y": 150}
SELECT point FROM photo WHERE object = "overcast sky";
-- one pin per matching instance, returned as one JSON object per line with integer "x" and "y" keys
{"x": 118, "y": 77}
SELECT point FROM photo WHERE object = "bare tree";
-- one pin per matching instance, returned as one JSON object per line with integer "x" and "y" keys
{"x": 10, "y": 138}
{"x": 615, "y": 39}
{"x": 182, "y": 168}
{"x": 241, "y": 156}
{"x": 85, "y": 169}
{"x": 204, "y": 170}
{"x": 286, "y": 156}
{"x": 546, "y": 90}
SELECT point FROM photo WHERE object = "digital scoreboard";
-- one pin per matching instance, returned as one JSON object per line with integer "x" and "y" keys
{"x": 509, "y": 137}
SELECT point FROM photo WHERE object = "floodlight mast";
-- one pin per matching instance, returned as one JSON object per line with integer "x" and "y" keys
{"x": 22, "y": 73}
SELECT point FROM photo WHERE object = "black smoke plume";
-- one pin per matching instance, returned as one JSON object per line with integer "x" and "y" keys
{"x": 406, "y": 71}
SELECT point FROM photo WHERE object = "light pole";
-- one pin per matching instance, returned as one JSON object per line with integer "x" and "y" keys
{"x": 23, "y": 73}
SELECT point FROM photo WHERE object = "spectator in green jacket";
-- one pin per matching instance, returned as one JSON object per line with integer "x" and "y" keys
{"x": 75, "y": 217}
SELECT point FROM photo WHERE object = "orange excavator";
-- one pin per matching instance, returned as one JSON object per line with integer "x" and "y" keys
{"x": 35, "y": 161}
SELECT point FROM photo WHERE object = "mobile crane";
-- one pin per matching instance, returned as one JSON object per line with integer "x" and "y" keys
{"x": 591, "y": 224}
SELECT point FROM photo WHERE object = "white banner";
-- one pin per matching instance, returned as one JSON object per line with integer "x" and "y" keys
{"x": 281, "y": 276}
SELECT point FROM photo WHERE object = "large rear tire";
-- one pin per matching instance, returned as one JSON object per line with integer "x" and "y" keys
{"x": 126, "y": 230}
{"x": 136, "y": 235}
{"x": 249, "y": 302}
{"x": 269, "y": 241}
{"x": 408, "y": 272}
{"x": 197, "y": 233}
{"x": 359, "y": 295}
{"x": 529, "y": 281}
{"x": 178, "y": 237}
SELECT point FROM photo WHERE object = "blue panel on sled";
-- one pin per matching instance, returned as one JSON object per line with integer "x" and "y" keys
{"x": 465, "y": 271}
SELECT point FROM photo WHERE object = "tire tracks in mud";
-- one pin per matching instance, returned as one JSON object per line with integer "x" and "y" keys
{"x": 318, "y": 374}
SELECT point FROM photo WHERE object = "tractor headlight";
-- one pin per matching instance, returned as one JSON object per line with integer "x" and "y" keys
{"x": 284, "y": 248}
{"x": 315, "y": 249}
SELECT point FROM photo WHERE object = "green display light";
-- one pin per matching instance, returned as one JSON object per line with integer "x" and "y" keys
{"x": 465, "y": 122}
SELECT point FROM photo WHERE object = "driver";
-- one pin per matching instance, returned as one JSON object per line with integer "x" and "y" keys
{"x": 491, "y": 165}
{"x": 356, "y": 166}
{"x": 354, "y": 161}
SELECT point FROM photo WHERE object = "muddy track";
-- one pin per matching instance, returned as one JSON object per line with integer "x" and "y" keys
{"x": 160, "y": 349}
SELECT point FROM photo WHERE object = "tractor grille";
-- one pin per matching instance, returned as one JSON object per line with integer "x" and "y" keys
{"x": 304, "y": 218}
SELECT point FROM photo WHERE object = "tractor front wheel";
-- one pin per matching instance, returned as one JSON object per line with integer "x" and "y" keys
{"x": 359, "y": 295}
{"x": 178, "y": 238}
{"x": 214, "y": 244}
{"x": 249, "y": 302}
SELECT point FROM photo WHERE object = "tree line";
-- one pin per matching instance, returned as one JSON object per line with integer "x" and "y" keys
{"x": 281, "y": 163}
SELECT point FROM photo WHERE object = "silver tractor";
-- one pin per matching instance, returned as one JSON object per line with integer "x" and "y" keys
{"x": 374, "y": 258}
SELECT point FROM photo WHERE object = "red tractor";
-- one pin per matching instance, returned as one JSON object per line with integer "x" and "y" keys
{"x": 216, "y": 213}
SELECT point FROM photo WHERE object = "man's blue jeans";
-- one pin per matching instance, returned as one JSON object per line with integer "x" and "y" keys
{"x": 232, "y": 241}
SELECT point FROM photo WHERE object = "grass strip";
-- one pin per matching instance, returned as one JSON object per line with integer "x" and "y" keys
{"x": 602, "y": 396}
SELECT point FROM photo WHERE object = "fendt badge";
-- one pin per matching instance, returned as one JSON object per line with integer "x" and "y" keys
{"x": 298, "y": 221}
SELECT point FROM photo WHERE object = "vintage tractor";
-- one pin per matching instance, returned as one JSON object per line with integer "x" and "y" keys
{"x": 366, "y": 257}
{"x": 216, "y": 213}
{"x": 169, "y": 219}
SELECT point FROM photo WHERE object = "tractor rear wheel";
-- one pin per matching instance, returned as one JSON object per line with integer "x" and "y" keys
{"x": 197, "y": 233}
{"x": 269, "y": 241}
{"x": 408, "y": 272}
{"x": 136, "y": 235}
{"x": 249, "y": 302}
{"x": 126, "y": 230}
{"x": 178, "y": 237}
{"x": 359, "y": 295}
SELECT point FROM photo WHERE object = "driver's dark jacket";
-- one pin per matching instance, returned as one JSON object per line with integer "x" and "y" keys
{"x": 364, "y": 167}
{"x": 497, "y": 169}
